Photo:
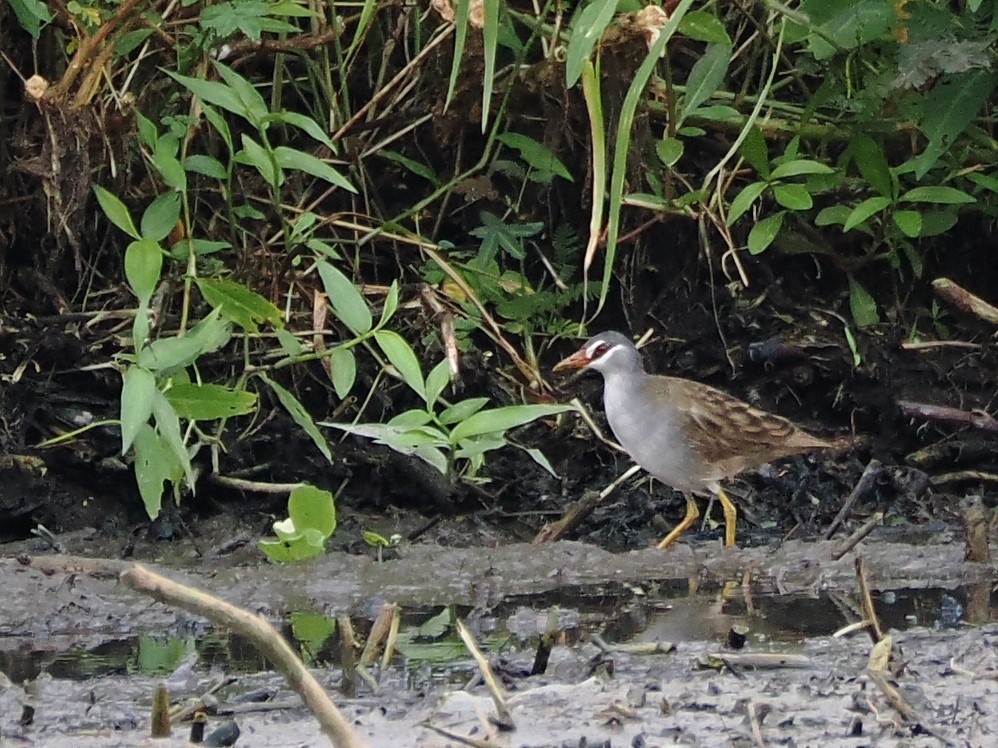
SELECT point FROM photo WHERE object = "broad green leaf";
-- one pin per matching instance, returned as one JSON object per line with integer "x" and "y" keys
{"x": 418, "y": 168}
{"x": 258, "y": 157}
{"x": 207, "y": 336}
{"x": 909, "y": 221}
{"x": 537, "y": 155}
{"x": 208, "y": 166}
{"x": 587, "y": 30}
{"x": 208, "y": 402}
{"x": 436, "y": 381}
{"x": 987, "y": 181}
{"x": 137, "y": 391}
{"x": 433, "y": 456}
{"x": 342, "y": 370}
{"x": 143, "y": 264}
{"x": 500, "y": 420}
{"x": 847, "y": 25}
{"x": 537, "y": 456}
{"x": 289, "y": 158}
{"x": 147, "y": 131}
{"x": 833, "y": 215}
{"x": 872, "y": 164}
{"x": 473, "y": 447}
{"x": 866, "y": 209}
{"x": 411, "y": 419}
{"x": 744, "y": 200}
{"x": 238, "y": 303}
{"x": 300, "y": 416}
{"x": 764, "y": 232}
{"x": 161, "y": 216}
{"x": 704, "y": 27}
{"x": 312, "y": 508}
{"x": 169, "y": 167}
{"x": 936, "y": 222}
{"x": 391, "y": 304}
{"x": 669, "y": 150}
{"x": 116, "y": 211}
{"x": 252, "y": 102}
{"x": 32, "y": 15}
{"x": 861, "y": 305}
{"x": 948, "y": 109}
{"x": 939, "y": 194}
{"x": 716, "y": 112}
{"x": 756, "y": 152}
{"x": 792, "y": 196}
{"x": 462, "y": 410}
{"x": 706, "y": 76}
{"x": 308, "y": 125}
{"x": 403, "y": 359}
{"x": 460, "y": 37}
{"x": 798, "y": 167}
{"x": 289, "y": 343}
{"x": 347, "y": 302}
{"x": 300, "y": 547}
{"x": 213, "y": 92}
{"x": 168, "y": 427}
{"x": 154, "y": 464}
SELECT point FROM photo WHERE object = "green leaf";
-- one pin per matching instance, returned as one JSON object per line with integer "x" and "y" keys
{"x": 866, "y": 209}
{"x": 938, "y": 194}
{"x": 143, "y": 264}
{"x": 239, "y": 304}
{"x": 502, "y": 419}
{"x": 872, "y": 164}
{"x": 342, "y": 370}
{"x": 798, "y": 167}
{"x": 936, "y": 222}
{"x": 490, "y": 40}
{"x": 168, "y": 427}
{"x": 147, "y": 131}
{"x": 169, "y": 167}
{"x": 403, "y": 359}
{"x": 161, "y": 216}
{"x": 704, "y": 27}
{"x": 213, "y": 92}
{"x": 209, "y": 166}
{"x": 411, "y": 419}
{"x": 792, "y": 196}
{"x": 462, "y": 410}
{"x": 301, "y": 416}
{"x": 208, "y": 402}
{"x": 312, "y": 508}
{"x": 116, "y": 211}
{"x": 756, "y": 152}
{"x": 436, "y": 381}
{"x": 347, "y": 302}
{"x": 909, "y": 221}
{"x": 537, "y": 155}
{"x": 154, "y": 464}
{"x": 833, "y": 215}
{"x": 137, "y": 391}
{"x": 706, "y": 76}
{"x": 764, "y": 232}
{"x": 289, "y": 158}
{"x": 669, "y": 150}
{"x": 207, "y": 336}
{"x": 861, "y": 305}
{"x": 744, "y": 200}
{"x": 391, "y": 304}
{"x": 587, "y": 30}
{"x": 308, "y": 125}
{"x": 32, "y": 15}
{"x": 259, "y": 158}
{"x": 251, "y": 101}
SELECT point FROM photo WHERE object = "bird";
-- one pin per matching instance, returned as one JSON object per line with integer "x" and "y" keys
{"x": 687, "y": 434}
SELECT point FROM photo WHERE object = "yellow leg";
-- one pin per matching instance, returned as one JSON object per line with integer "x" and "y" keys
{"x": 730, "y": 517}
{"x": 691, "y": 516}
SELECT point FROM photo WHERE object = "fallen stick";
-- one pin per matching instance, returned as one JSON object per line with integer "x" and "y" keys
{"x": 505, "y": 718}
{"x": 865, "y": 529}
{"x": 581, "y": 509}
{"x": 965, "y": 301}
{"x": 263, "y": 636}
{"x": 873, "y": 470}
{"x": 979, "y": 419}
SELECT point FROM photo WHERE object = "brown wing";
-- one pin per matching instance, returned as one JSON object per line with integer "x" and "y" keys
{"x": 730, "y": 434}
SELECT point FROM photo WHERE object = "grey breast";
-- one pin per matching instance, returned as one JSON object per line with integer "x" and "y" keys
{"x": 649, "y": 430}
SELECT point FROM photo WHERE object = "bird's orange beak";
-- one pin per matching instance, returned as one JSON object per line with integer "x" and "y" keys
{"x": 578, "y": 360}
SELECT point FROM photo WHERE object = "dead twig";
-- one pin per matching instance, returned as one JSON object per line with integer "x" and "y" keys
{"x": 866, "y": 600}
{"x": 865, "y": 529}
{"x": 505, "y": 718}
{"x": 979, "y": 419}
{"x": 965, "y": 301}
{"x": 581, "y": 509}
{"x": 873, "y": 470}
{"x": 263, "y": 636}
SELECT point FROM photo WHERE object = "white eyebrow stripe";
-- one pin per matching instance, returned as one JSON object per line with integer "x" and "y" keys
{"x": 592, "y": 349}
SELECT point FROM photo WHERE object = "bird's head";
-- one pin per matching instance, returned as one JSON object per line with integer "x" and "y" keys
{"x": 607, "y": 352}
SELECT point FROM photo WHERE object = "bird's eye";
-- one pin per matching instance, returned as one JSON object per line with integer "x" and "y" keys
{"x": 600, "y": 351}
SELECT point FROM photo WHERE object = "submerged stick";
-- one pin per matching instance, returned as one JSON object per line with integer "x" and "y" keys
{"x": 264, "y": 638}
{"x": 495, "y": 690}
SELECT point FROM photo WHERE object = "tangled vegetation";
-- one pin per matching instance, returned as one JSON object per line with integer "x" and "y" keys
{"x": 306, "y": 200}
